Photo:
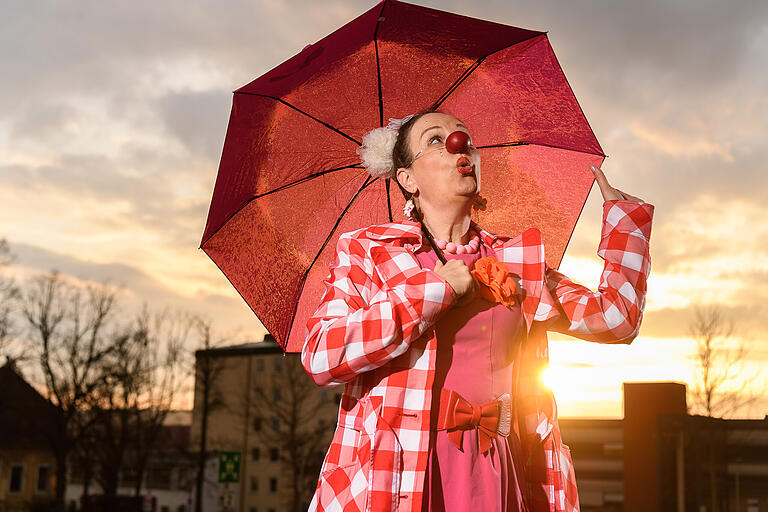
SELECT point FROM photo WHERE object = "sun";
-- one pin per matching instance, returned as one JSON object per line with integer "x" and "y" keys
{"x": 553, "y": 380}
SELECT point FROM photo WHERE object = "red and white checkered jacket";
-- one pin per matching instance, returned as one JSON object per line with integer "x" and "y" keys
{"x": 373, "y": 332}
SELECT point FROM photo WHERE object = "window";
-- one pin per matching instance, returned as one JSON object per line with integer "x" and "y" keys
{"x": 320, "y": 426}
{"x": 16, "y": 480}
{"x": 254, "y": 483}
{"x": 275, "y": 423}
{"x": 277, "y": 394}
{"x": 278, "y": 362}
{"x": 274, "y": 454}
{"x": 337, "y": 398}
{"x": 257, "y": 423}
{"x": 273, "y": 484}
{"x": 129, "y": 476}
{"x": 43, "y": 478}
{"x": 158, "y": 478}
{"x": 253, "y": 509}
{"x": 255, "y": 453}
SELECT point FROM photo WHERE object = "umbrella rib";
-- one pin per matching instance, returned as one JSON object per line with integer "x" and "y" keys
{"x": 378, "y": 67}
{"x": 378, "y": 75}
{"x": 307, "y": 178}
{"x": 368, "y": 181}
{"x": 473, "y": 67}
{"x": 522, "y": 143}
{"x": 297, "y": 109}
{"x": 281, "y": 187}
{"x": 458, "y": 82}
{"x": 503, "y": 145}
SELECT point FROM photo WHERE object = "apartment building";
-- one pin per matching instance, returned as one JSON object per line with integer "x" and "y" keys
{"x": 267, "y": 420}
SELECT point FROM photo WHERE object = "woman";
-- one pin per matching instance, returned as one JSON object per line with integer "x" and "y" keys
{"x": 442, "y": 407}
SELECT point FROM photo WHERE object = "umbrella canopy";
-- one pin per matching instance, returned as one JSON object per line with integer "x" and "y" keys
{"x": 290, "y": 181}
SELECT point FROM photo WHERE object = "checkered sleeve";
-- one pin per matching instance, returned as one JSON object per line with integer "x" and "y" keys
{"x": 614, "y": 312}
{"x": 360, "y": 324}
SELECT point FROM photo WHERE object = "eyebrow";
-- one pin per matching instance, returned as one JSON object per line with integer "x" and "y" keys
{"x": 433, "y": 127}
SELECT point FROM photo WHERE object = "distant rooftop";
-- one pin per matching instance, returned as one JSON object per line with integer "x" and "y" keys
{"x": 267, "y": 346}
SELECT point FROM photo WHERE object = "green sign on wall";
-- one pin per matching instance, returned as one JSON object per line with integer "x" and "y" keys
{"x": 229, "y": 467}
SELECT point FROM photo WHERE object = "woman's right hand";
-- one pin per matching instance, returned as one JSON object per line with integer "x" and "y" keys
{"x": 457, "y": 273}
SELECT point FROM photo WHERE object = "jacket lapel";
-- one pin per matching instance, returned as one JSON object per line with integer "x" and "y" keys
{"x": 524, "y": 257}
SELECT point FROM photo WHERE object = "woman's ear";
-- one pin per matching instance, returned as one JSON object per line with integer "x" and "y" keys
{"x": 406, "y": 180}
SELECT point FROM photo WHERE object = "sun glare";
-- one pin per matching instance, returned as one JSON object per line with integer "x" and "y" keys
{"x": 551, "y": 379}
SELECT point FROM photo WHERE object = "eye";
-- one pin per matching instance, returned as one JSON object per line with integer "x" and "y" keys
{"x": 429, "y": 141}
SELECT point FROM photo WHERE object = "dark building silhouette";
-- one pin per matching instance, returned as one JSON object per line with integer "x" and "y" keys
{"x": 659, "y": 458}
{"x": 27, "y": 463}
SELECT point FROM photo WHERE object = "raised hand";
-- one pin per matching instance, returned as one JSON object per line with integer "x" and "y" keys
{"x": 607, "y": 190}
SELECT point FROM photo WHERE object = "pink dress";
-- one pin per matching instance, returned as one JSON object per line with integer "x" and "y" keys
{"x": 477, "y": 344}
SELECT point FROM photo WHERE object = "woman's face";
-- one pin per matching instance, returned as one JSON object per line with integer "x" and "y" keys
{"x": 435, "y": 173}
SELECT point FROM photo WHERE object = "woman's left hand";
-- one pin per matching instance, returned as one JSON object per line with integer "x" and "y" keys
{"x": 610, "y": 193}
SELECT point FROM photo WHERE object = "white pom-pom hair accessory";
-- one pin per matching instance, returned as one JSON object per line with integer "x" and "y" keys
{"x": 376, "y": 150}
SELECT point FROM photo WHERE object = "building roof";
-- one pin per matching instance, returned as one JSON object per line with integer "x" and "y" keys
{"x": 267, "y": 346}
{"x": 25, "y": 415}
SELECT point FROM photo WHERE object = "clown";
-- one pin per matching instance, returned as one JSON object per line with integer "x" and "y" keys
{"x": 437, "y": 329}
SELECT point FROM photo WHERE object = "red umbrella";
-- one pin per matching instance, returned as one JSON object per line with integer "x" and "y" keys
{"x": 290, "y": 181}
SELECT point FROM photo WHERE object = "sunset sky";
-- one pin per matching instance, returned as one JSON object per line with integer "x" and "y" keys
{"x": 113, "y": 116}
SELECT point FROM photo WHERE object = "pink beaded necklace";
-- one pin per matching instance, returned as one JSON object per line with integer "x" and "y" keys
{"x": 453, "y": 248}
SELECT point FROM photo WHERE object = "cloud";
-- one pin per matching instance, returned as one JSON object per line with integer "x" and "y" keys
{"x": 43, "y": 121}
{"x": 197, "y": 119}
{"x": 749, "y": 321}
{"x": 138, "y": 188}
{"x": 97, "y": 48}
{"x": 139, "y": 287}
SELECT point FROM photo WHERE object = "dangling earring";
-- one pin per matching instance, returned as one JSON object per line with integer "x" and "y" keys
{"x": 480, "y": 203}
{"x": 409, "y": 206}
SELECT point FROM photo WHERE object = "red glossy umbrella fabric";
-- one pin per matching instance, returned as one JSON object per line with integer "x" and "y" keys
{"x": 290, "y": 181}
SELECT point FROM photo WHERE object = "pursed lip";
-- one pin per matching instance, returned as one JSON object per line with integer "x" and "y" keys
{"x": 465, "y": 166}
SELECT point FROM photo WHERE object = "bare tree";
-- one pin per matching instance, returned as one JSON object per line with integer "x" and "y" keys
{"x": 208, "y": 398}
{"x": 722, "y": 386}
{"x": 9, "y": 295}
{"x": 67, "y": 331}
{"x": 293, "y": 410}
{"x": 164, "y": 337}
{"x": 140, "y": 378}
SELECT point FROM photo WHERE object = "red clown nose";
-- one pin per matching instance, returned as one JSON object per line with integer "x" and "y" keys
{"x": 457, "y": 142}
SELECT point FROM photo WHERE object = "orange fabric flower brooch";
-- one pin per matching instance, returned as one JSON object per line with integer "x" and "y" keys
{"x": 496, "y": 282}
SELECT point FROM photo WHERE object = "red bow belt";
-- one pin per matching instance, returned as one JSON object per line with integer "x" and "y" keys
{"x": 457, "y": 415}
